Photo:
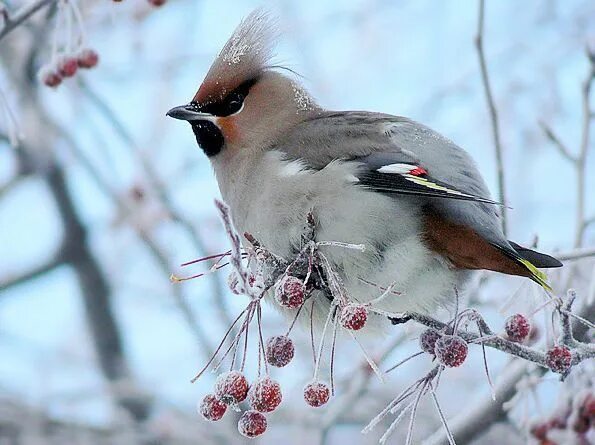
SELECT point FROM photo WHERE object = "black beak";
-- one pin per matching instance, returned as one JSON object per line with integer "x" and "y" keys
{"x": 189, "y": 113}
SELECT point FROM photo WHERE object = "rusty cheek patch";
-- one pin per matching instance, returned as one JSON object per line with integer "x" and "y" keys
{"x": 228, "y": 127}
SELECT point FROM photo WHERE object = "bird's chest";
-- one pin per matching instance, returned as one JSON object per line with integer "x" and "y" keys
{"x": 271, "y": 200}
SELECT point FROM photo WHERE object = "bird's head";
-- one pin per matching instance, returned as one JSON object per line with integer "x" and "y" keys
{"x": 245, "y": 102}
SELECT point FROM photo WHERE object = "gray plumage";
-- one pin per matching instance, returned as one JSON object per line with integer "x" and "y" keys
{"x": 368, "y": 178}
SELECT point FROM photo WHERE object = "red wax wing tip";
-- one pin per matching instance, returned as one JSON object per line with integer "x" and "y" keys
{"x": 418, "y": 171}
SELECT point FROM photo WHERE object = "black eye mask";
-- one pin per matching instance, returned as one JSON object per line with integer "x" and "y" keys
{"x": 230, "y": 104}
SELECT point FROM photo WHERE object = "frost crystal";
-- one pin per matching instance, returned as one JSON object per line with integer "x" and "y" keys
{"x": 316, "y": 394}
{"x": 231, "y": 387}
{"x": 211, "y": 408}
{"x": 353, "y": 316}
{"x": 265, "y": 395}
{"x": 451, "y": 350}
{"x": 235, "y": 51}
{"x": 252, "y": 424}
{"x": 302, "y": 98}
{"x": 279, "y": 351}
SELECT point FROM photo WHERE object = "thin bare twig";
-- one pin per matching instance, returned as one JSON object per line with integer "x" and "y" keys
{"x": 493, "y": 113}
{"x": 31, "y": 274}
{"x": 562, "y": 148}
{"x": 11, "y": 22}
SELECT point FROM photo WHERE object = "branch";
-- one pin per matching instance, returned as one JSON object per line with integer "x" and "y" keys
{"x": 576, "y": 254}
{"x": 562, "y": 148}
{"x": 581, "y": 164}
{"x": 496, "y": 342}
{"x": 11, "y": 22}
{"x": 474, "y": 422}
{"x": 153, "y": 248}
{"x": 476, "y": 419}
{"x": 493, "y": 112}
{"x": 97, "y": 299}
{"x": 157, "y": 185}
{"x": 32, "y": 274}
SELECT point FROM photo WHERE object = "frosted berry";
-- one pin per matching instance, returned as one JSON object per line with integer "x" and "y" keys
{"x": 49, "y": 77}
{"x": 586, "y": 415}
{"x": 87, "y": 58}
{"x": 211, "y": 408}
{"x": 290, "y": 292}
{"x": 279, "y": 350}
{"x": 231, "y": 387}
{"x": 265, "y": 395}
{"x": 67, "y": 66}
{"x": 252, "y": 424}
{"x": 427, "y": 340}
{"x": 540, "y": 431}
{"x": 353, "y": 316}
{"x": 517, "y": 327}
{"x": 451, "y": 350}
{"x": 558, "y": 359}
{"x": 316, "y": 394}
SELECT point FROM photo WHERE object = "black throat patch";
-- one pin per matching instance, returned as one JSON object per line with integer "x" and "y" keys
{"x": 208, "y": 136}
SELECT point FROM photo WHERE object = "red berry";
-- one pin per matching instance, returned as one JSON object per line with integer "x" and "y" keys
{"x": 157, "y": 3}
{"x": 212, "y": 408}
{"x": 540, "y": 430}
{"x": 252, "y": 424}
{"x": 265, "y": 395}
{"x": 586, "y": 415}
{"x": 49, "y": 77}
{"x": 316, "y": 394}
{"x": 231, "y": 387}
{"x": 451, "y": 350}
{"x": 67, "y": 66}
{"x": 279, "y": 350}
{"x": 427, "y": 340}
{"x": 558, "y": 359}
{"x": 87, "y": 58}
{"x": 517, "y": 327}
{"x": 290, "y": 292}
{"x": 353, "y": 316}
{"x": 588, "y": 408}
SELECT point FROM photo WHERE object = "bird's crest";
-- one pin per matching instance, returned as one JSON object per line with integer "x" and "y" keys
{"x": 247, "y": 52}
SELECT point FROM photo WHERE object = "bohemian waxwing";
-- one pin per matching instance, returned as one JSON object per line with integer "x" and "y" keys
{"x": 411, "y": 196}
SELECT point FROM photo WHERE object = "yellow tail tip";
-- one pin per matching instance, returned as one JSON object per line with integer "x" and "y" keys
{"x": 536, "y": 274}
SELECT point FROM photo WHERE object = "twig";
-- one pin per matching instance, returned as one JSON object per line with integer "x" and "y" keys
{"x": 11, "y": 22}
{"x": 36, "y": 272}
{"x": 562, "y": 148}
{"x": 581, "y": 164}
{"x": 151, "y": 174}
{"x": 576, "y": 254}
{"x": 493, "y": 113}
{"x": 495, "y": 342}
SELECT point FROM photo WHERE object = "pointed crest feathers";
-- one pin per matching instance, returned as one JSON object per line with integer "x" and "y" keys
{"x": 247, "y": 52}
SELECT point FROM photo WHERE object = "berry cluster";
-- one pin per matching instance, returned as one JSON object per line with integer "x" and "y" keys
{"x": 66, "y": 66}
{"x": 69, "y": 52}
{"x": 264, "y": 395}
{"x": 449, "y": 350}
{"x": 578, "y": 419}
{"x": 232, "y": 388}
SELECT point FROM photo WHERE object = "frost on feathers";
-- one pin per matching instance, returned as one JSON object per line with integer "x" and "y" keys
{"x": 302, "y": 99}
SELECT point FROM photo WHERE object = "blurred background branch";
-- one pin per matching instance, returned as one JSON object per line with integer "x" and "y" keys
{"x": 102, "y": 199}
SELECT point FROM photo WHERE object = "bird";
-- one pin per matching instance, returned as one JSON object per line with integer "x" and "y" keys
{"x": 412, "y": 197}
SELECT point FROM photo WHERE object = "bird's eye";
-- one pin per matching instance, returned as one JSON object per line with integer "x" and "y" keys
{"x": 234, "y": 103}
